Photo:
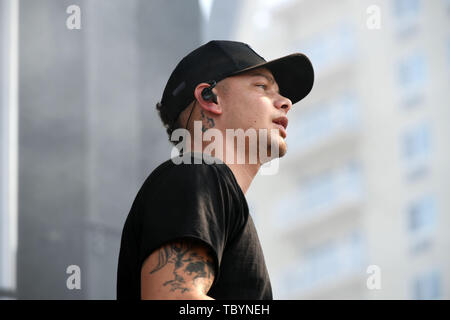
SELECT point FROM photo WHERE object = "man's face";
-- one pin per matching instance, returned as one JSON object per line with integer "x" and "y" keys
{"x": 252, "y": 101}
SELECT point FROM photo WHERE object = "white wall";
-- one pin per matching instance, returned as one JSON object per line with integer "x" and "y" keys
{"x": 8, "y": 146}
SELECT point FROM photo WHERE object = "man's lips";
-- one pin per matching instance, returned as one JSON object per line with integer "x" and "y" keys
{"x": 281, "y": 123}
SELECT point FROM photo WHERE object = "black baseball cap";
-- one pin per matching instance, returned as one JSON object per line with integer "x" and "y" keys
{"x": 219, "y": 59}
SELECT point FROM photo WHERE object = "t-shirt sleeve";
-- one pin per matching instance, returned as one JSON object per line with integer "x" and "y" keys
{"x": 189, "y": 200}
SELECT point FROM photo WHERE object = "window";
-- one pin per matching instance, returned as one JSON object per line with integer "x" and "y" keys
{"x": 312, "y": 128}
{"x": 422, "y": 221}
{"x": 406, "y": 14}
{"x": 331, "y": 188}
{"x": 346, "y": 115}
{"x": 324, "y": 121}
{"x": 417, "y": 142}
{"x": 427, "y": 286}
{"x": 320, "y": 193}
{"x": 325, "y": 262}
{"x": 412, "y": 71}
{"x": 422, "y": 214}
{"x": 326, "y": 50}
{"x": 412, "y": 78}
{"x": 287, "y": 210}
{"x": 416, "y": 145}
{"x": 404, "y": 8}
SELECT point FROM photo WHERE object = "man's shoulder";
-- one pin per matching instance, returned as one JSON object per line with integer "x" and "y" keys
{"x": 188, "y": 169}
{"x": 190, "y": 162}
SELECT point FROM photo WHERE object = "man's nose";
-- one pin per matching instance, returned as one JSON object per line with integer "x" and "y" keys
{"x": 283, "y": 103}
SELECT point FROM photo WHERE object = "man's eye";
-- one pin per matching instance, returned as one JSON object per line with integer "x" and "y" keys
{"x": 262, "y": 85}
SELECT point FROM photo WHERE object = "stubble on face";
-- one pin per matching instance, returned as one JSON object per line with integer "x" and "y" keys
{"x": 250, "y": 109}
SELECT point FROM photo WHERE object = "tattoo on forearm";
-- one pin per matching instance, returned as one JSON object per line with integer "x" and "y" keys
{"x": 209, "y": 121}
{"x": 187, "y": 262}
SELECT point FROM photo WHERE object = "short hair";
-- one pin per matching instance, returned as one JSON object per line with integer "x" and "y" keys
{"x": 170, "y": 124}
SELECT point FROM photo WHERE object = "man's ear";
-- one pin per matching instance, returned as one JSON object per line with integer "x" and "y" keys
{"x": 207, "y": 105}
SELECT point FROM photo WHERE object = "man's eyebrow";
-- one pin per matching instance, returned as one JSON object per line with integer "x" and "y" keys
{"x": 256, "y": 74}
{"x": 270, "y": 79}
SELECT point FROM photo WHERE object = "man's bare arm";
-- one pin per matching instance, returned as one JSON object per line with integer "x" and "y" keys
{"x": 183, "y": 269}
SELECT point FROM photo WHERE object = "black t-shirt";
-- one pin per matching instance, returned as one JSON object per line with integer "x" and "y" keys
{"x": 202, "y": 201}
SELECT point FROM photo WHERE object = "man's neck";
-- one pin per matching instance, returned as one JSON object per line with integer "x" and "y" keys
{"x": 243, "y": 172}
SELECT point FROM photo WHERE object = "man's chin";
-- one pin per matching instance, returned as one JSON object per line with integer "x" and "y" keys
{"x": 279, "y": 146}
{"x": 282, "y": 148}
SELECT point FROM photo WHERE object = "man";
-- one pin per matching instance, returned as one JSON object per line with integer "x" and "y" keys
{"x": 189, "y": 233}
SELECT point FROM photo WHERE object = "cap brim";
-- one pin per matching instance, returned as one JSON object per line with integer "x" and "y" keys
{"x": 293, "y": 73}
